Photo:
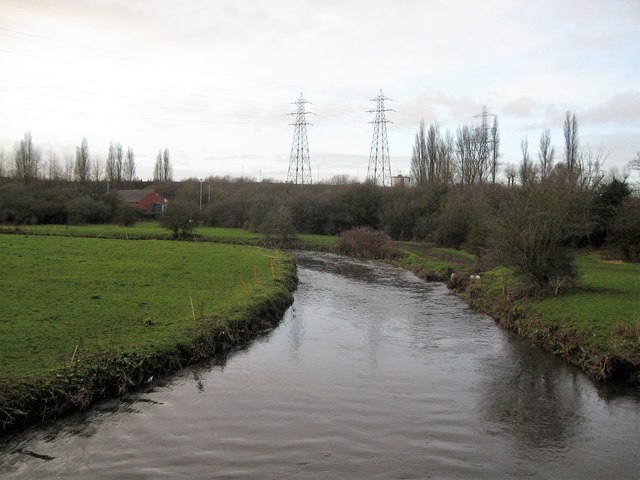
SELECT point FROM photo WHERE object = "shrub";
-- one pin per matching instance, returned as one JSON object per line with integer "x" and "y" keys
{"x": 278, "y": 223}
{"x": 625, "y": 231}
{"x": 531, "y": 233}
{"x": 87, "y": 210}
{"x": 365, "y": 243}
{"x": 127, "y": 215}
{"x": 178, "y": 217}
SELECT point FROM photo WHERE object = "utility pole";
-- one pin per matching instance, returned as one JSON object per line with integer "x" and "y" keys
{"x": 379, "y": 171}
{"x": 299, "y": 161}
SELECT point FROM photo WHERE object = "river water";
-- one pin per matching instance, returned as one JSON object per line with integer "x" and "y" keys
{"x": 372, "y": 373}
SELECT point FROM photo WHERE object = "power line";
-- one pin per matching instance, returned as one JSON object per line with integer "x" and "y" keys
{"x": 379, "y": 171}
{"x": 299, "y": 161}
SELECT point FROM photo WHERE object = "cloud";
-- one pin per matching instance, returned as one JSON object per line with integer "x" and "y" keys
{"x": 622, "y": 109}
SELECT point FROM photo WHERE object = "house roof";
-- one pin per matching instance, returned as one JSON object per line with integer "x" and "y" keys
{"x": 133, "y": 196}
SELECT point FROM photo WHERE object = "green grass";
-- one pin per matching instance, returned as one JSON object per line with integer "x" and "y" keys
{"x": 435, "y": 262}
{"x": 604, "y": 307}
{"x": 152, "y": 230}
{"x": 604, "y": 311}
{"x": 326, "y": 242}
{"x": 141, "y": 230}
{"x": 57, "y": 293}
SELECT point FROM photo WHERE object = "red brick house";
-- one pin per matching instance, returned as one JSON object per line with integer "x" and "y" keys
{"x": 147, "y": 201}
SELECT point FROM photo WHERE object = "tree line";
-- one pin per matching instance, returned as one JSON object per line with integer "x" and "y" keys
{"x": 117, "y": 169}
{"x": 532, "y": 222}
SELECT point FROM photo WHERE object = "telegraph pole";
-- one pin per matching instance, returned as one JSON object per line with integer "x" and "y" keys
{"x": 299, "y": 161}
{"x": 379, "y": 171}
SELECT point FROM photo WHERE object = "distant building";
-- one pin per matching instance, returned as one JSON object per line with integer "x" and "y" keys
{"x": 147, "y": 201}
{"x": 401, "y": 181}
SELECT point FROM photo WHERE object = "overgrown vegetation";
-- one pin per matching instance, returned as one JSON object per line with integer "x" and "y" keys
{"x": 366, "y": 244}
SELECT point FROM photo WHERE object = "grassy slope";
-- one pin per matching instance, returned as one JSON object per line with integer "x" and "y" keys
{"x": 596, "y": 327}
{"x": 434, "y": 263}
{"x": 82, "y": 319}
{"x": 113, "y": 295}
{"x": 605, "y": 308}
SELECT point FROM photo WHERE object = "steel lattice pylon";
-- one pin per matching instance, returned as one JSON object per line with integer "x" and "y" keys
{"x": 379, "y": 171}
{"x": 299, "y": 161}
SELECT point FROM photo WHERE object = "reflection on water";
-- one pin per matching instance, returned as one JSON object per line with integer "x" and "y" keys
{"x": 371, "y": 374}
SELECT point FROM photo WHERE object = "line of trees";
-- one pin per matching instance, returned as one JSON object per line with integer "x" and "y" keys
{"x": 469, "y": 157}
{"x": 532, "y": 223}
{"x": 118, "y": 170}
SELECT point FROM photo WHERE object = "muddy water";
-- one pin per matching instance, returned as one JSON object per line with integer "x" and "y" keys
{"x": 372, "y": 374}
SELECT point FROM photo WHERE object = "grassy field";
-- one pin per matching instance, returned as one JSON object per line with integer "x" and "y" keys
{"x": 63, "y": 294}
{"x": 141, "y": 230}
{"x": 152, "y": 230}
{"x": 597, "y": 326}
{"x": 434, "y": 263}
{"x": 605, "y": 308}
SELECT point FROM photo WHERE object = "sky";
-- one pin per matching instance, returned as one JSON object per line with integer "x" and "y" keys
{"x": 214, "y": 81}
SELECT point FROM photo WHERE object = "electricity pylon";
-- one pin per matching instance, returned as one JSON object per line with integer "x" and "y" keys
{"x": 379, "y": 171}
{"x": 299, "y": 161}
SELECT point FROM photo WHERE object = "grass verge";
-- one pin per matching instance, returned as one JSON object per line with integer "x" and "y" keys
{"x": 596, "y": 327}
{"x": 434, "y": 263}
{"x": 82, "y": 319}
{"x": 153, "y": 231}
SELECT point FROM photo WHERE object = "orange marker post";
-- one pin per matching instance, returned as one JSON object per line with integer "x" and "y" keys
{"x": 244, "y": 285}
{"x": 273, "y": 270}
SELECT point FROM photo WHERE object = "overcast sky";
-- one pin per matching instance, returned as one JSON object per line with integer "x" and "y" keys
{"x": 213, "y": 81}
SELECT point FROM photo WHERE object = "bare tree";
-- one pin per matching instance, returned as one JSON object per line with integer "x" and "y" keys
{"x": 110, "y": 168}
{"x": 96, "y": 169}
{"x": 432, "y": 160}
{"x": 527, "y": 171}
{"x": 511, "y": 173}
{"x": 54, "y": 170}
{"x": 119, "y": 156}
{"x": 69, "y": 164}
{"x": 571, "y": 142}
{"x": 446, "y": 160}
{"x": 129, "y": 168}
{"x": 433, "y": 139}
{"x": 590, "y": 164}
{"x": 2, "y": 164}
{"x": 26, "y": 159}
{"x": 464, "y": 155}
{"x": 114, "y": 164}
{"x": 166, "y": 166}
{"x": 545, "y": 154}
{"x": 162, "y": 171}
{"x": 157, "y": 168}
{"x": 495, "y": 149}
{"x": 82, "y": 167}
{"x": 419, "y": 158}
{"x": 634, "y": 164}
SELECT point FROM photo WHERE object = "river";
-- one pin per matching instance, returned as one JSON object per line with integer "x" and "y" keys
{"x": 372, "y": 373}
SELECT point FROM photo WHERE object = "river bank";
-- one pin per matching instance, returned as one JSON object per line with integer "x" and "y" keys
{"x": 86, "y": 319}
{"x": 596, "y": 327}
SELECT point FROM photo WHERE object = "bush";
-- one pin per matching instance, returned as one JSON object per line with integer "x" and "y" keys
{"x": 625, "y": 231}
{"x": 278, "y": 223}
{"x": 127, "y": 215}
{"x": 366, "y": 244}
{"x": 87, "y": 210}
{"x": 178, "y": 217}
{"x": 531, "y": 233}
